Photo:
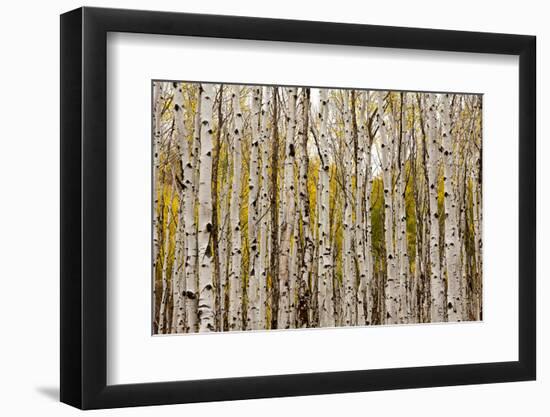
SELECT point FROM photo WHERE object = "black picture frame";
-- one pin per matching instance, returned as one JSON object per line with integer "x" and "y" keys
{"x": 84, "y": 207}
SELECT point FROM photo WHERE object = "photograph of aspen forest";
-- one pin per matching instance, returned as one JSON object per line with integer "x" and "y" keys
{"x": 278, "y": 207}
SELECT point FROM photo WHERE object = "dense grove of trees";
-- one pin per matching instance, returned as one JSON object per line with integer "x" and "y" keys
{"x": 292, "y": 207}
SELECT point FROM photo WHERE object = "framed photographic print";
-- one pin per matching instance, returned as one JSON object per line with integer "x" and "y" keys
{"x": 255, "y": 208}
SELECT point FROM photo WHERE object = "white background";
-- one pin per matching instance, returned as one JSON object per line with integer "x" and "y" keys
{"x": 29, "y": 211}
{"x": 134, "y": 356}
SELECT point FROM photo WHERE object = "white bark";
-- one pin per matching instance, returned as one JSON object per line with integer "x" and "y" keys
{"x": 404, "y": 309}
{"x": 178, "y": 311}
{"x": 392, "y": 282}
{"x": 206, "y": 288}
{"x": 326, "y": 306}
{"x": 369, "y": 259}
{"x": 190, "y": 226}
{"x": 224, "y": 248}
{"x": 306, "y": 264}
{"x": 294, "y": 268}
{"x": 452, "y": 248}
{"x": 350, "y": 297}
{"x": 178, "y": 276}
{"x": 264, "y": 210}
{"x": 476, "y": 211}
{"x": 235, "y": 280}
{"x": 158, "y": 103}
{"x": 253, "y": 211}
{"x": 437, "y": 280}
{"x": 287, "y": 215}
{"x": 360, "y": 224}
{"x": 462, "y": 176}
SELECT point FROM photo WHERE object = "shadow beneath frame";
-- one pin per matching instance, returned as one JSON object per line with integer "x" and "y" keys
{"x": 49, "y": 392}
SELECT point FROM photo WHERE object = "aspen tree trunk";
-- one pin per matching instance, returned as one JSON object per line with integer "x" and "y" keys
{"x": 417, "y": 287}
{"x": 178, "y": 311}
{"x": 296, "y": 252}
{"x": 294, "y": 268}
{"x": 253, "y": 211}
{"x": 452, "y": 260}
{"x": 264, "y": 210}
{"x": 315, "y": 272}
{"x": 304, "y": 290}
{"x": 359, "y": 226}
{"x": 196, "y": 145}
{"x": 206, "y": 287}
{"x": 476, "y": 214}
{"x": 274, "y": 260}
{"x": 224, "y": 247}
{"x": 463, "y": 228}
{"x": 164, "y": 297}
{"x": 178, "y": 275}
{"x": 157, "y": 135}
{"x": 404, "y": 308}
{"x": 215, "y": 205}
{"x": 335, "y": 289}
{"x": 369, "y": 259}
{"x": 423, "y": 293}
{"x": 437, "y": 287}
{"x": 424, "y": 215}
{"x": 235, "y": 281}
{"x": 392, "y": 286}
{"x": 350, "y": 297}
{"x": 157, "y": 186}
{"x": 369, "y": 249}
{"x": 287, "y": 215}
{"x": 326, "y": 306}
{"x": 415, "y": 310}
{"x": 189, "y": 198}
